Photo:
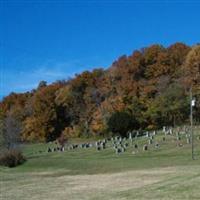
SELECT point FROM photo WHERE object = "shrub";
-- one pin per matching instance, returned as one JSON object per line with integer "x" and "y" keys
{"x": 11, "y": 158}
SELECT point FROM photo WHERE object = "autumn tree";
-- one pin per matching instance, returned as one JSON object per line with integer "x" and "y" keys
{"x": 44, "y": 124}
{"x": 191, "y": 67}
{"x": 192, "y": 76}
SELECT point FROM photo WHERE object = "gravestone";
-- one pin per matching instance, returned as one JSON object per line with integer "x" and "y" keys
{"x": 123, "y": 149}
{"x": 150, "y": 141}
{"x": 103, "y": 145}
{"x": 178, "y": 138}
{"x": 151, "y": 137}
{"x": 188, "y": 140}
{"x": 126, "y": 144}
{"x": 157, "y": 145}
{"x": 145, "y": 147}
{"x": 98, "y": 148}
{"x": 118, "y": 150}
{"x": 164, "y": 129}
{"x": 62, "y": 149}
{"x": 147, "y": 134}
{"x": 180, "y": 145}
{"x": 130, "y": 136}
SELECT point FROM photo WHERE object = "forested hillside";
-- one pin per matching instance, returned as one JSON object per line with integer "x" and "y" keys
{"x": 145, "y": 90}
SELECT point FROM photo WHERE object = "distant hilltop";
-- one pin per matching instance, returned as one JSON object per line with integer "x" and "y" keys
{"x": 145, "y": 90}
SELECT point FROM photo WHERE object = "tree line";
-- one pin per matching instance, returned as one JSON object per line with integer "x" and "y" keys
{"x": 145, "y": 90}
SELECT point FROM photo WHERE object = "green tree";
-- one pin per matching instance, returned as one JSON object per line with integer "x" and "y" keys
{"x": 120, "y": 123}
{"x": 169, "y": 108}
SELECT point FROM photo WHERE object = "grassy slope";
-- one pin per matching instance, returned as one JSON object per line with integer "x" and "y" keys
{"x": 44, "y": 173}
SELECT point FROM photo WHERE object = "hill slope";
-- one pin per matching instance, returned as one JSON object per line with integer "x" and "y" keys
{"x": 151, "y": 86}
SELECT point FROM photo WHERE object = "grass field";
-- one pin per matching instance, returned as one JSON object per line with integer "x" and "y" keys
{"x": 85, "y": 174}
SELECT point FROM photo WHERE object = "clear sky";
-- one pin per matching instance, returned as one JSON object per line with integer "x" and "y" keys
{"x": 54, "y": 39}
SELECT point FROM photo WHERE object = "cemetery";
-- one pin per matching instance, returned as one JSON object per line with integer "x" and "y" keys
{"x": 89, "y": 168}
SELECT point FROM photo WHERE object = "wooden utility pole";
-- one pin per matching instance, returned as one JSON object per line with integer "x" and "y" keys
{"x": 192, "y": 103}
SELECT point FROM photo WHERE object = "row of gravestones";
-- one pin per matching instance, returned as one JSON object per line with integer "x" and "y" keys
{"x": 70, "y": 147}
{"x": 117, "y": 143}
{"x": 55, "y": 149}
{"x": 120, "y": 144}
{"x": 100, "y": 145}
{"x": 180, "y": 133}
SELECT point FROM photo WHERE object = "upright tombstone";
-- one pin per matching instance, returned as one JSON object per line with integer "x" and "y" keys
{"x": 188, "y": 140}
{"x": 98, "y": 148}
{"x": 157, "y": 145}
{"x": 90, "y": 145}
{"x": 164, "y": 129}
{"x": 54, "y": 149}
{"x": 130, "y": 136}
{"x": 180, "y": 144}
{"x": 133, "y": 134}
{"x": 133, "y": 152}
{"x": 188, "y": 135}
{"x": 178, "y": 138}
{"x": 154, "y": 133}
{"x": 87, "y": 145}
{"x": 150, "y": 141}
{"x": 137, "y": 134}
{"x": 118, "y": 150}
{"x": 62, "y": 148}
{"x": 69, "y": 147}
{"x": 184, "y": 128}
{"x": 115, "y": 147}
{"x": 145, "y": 147}
{"x": 177, "y": 134}
{"x": 147, "y": 134}
{"x": 103, "y": 145}
{"x": 126, "y": 145}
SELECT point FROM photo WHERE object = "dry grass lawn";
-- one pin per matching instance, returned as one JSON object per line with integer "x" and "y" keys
{"x": 158, "y": 183}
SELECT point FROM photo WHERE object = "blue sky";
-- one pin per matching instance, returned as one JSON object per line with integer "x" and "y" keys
{"x": 52, "y": 40}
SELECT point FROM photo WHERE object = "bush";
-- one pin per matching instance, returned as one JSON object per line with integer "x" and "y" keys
{"x": 12, "y": 158}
